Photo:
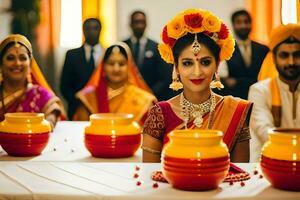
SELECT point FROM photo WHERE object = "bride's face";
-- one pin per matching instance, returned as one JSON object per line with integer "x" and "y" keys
{"x": 196, "y": 71}
{"x": 116, "y": 68}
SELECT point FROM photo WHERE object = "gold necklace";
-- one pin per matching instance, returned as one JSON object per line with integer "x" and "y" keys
{"x": 196, "y": 111}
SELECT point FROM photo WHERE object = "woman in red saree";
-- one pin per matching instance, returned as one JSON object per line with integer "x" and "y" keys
{"x": 116, "y": 87}
{"x": 195, "y": 41}
{"x": 23, "y": 88}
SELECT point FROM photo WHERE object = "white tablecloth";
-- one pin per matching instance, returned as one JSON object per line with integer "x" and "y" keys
{"x": 86, "y": 180}
{"x": 66, "y": 144}
{"x": 69, "y": 172}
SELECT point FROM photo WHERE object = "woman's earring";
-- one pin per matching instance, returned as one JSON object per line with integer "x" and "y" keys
{"x": 29, "y": 81}
{"x": 216, "y": 83}
{"x": 176, "y": 84}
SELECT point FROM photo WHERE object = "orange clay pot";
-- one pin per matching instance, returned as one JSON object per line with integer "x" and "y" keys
{"x": 24, "y": 134}
{"x": 112, "y": 135}
{"x": 195, "y": 159}
{"x": 280, "y": 159}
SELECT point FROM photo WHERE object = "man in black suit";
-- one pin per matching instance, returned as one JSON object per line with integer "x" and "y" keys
{"x": 80, "y": 64}
{"x": 153, "y": 69}
{"x": 245, "y": 63}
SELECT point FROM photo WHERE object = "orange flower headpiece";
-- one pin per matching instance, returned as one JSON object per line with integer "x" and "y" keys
{"x": 196, "y": 21}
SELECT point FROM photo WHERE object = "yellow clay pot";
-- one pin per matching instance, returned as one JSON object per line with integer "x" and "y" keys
{"x": 112, "y": 124}
{"x": 196, "y": 144}
{"x": 112, "y": 135}
{"x": 283, "y": 144}
{"x": 25, "y": 123}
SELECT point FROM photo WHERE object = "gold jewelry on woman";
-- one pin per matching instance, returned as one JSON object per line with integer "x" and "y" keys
{"x": 196, "y": 111}
{"x": 29, "y": 81}
{"x": 176, "y": 84}
{"x": 216, "y": 83}
{"x": 196, "y": 47}
{"x": 149, "y": 150}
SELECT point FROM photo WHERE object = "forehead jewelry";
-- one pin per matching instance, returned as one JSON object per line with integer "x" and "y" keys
{"x": 115, "y": 50}
{"x": 196, "y": 47}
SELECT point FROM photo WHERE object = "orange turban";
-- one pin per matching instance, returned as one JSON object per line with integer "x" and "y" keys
{"x": 283, "y": 32}
{"x": 278, "y": 35}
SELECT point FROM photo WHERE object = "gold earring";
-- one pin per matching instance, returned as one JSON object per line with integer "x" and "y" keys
{"x": 176, "y": 84}
{"x": 216, "y": 83}
{"x": 29, "y": 81}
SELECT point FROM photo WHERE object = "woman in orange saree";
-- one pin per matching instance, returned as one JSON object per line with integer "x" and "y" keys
{"x": 195, "y": 41}
{"x": 116, "y": 87}
{"x": 23, "y": 87}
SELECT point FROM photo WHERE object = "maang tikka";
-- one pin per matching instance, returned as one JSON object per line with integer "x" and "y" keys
{"x": 196, "y": 47}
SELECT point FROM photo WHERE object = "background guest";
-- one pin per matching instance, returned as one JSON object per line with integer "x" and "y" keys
{"x": 154, "y": 70}
{"x": 244, "y": 65}
{"x": 80, "y": 64}
{"x": 116, "y": 87}
{"x": 277, "y": 98}
{"x": 23, "y": 87}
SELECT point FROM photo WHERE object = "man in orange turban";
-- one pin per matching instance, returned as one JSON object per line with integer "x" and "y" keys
{"x": 277, "y": 96}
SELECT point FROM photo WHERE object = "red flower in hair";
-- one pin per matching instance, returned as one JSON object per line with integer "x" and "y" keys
{"x": 224, "y": 32}
{"x": 166, "y": 39}
{"x": 193, "y": 20}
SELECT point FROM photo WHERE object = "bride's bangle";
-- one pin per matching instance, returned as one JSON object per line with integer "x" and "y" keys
{"x": 147, "y": 149}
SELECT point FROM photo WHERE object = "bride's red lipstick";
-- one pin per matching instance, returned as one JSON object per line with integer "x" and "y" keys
{"x": 197, "y": 81}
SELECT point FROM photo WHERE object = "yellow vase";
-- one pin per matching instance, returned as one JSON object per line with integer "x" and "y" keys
{"x": 24, "y": 134}
{"x": 195, "y": 159}
{"x": 112, "y": 135}
{"x": 280, "y": 159}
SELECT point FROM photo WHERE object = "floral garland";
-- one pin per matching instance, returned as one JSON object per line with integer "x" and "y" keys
{"x": 196, "y": 21}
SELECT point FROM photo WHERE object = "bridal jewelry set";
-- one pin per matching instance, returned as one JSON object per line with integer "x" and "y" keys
{"x": 197, "y": 111}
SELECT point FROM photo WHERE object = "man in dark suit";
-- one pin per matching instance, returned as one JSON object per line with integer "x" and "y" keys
{"x": 80, "y": 64}
{"x": 153, "y": 69}
{"x": 245, "y": 63}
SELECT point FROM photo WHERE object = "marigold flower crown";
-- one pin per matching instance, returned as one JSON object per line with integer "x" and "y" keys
{"x": 196, "y": 21}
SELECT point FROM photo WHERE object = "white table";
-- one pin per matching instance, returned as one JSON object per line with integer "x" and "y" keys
{"x": 86, "y": 180}
{"x": 67, "y": 144}
{"x": 63, "y": 174}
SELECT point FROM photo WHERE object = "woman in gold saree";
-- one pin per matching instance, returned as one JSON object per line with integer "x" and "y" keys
{"x": 116, "y": 87}
{"x": 195, "y": 41}
{"x": 23, "y": 88}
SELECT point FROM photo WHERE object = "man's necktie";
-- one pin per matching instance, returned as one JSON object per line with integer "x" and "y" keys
{"x": 92, "y": 61}
{"x": 137, "y": 52}
{"x": 246, "y": 54}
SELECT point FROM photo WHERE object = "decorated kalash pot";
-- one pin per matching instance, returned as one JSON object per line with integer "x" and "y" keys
{"x": 112, "y": 135}
{"x": 280, "y": 160}
{"x": 195, "y": 159}
{"x": 24, "y": 134}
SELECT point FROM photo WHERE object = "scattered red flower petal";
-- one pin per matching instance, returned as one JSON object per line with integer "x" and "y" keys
{"x": 261, "y": 176}
{"x": 255, "y": 172}
{"x": 138, "y": 183}
{"x": 135, "y": 175}
{"x": 242, "y": 183}
{"x": 155, "y": 185}
{"x": 137, "y": 168}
